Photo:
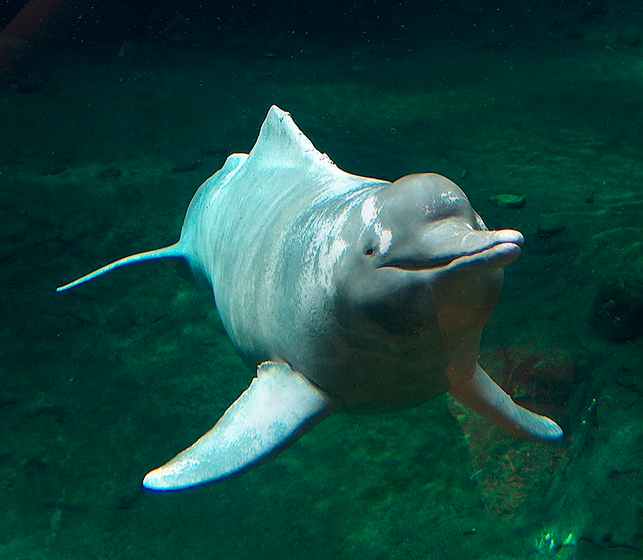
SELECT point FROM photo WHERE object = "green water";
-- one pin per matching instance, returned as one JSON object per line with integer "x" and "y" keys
{"x": 101, "y": 385}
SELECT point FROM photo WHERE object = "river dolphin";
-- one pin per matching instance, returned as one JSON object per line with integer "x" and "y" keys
{"x": 342, "y": 292}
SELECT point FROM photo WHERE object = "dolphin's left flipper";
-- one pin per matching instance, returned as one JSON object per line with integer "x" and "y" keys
{"x": 278, "y": 407}
{"x": 482, "y": 394}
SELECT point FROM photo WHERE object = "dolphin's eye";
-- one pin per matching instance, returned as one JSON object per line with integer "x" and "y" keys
{"x": 369, "y": 252}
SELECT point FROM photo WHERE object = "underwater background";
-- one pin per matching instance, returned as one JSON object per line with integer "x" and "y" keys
{"x": 110, "y": 119}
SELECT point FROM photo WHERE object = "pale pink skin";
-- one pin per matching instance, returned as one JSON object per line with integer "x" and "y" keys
{"x": 343, "y": 292}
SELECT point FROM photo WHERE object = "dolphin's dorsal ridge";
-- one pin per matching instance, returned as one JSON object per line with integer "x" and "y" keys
{"x": 282, "y": 144}
{"x": 278, "y": 407}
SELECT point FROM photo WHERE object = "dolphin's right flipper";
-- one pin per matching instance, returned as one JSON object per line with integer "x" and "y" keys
{"x": 482, "y": 394}
{"x": 279, "y": 406}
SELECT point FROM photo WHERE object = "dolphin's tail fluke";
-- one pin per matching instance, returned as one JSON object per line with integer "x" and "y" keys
{"x": 172, "y": 251}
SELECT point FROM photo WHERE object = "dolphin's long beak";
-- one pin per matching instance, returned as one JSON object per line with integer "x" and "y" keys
{"x": 489, "y": 249}
{"x": 459, "y": 245}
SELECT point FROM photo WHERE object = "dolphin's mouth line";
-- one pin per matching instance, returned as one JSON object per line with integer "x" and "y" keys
{"x": 443, "y": 262}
